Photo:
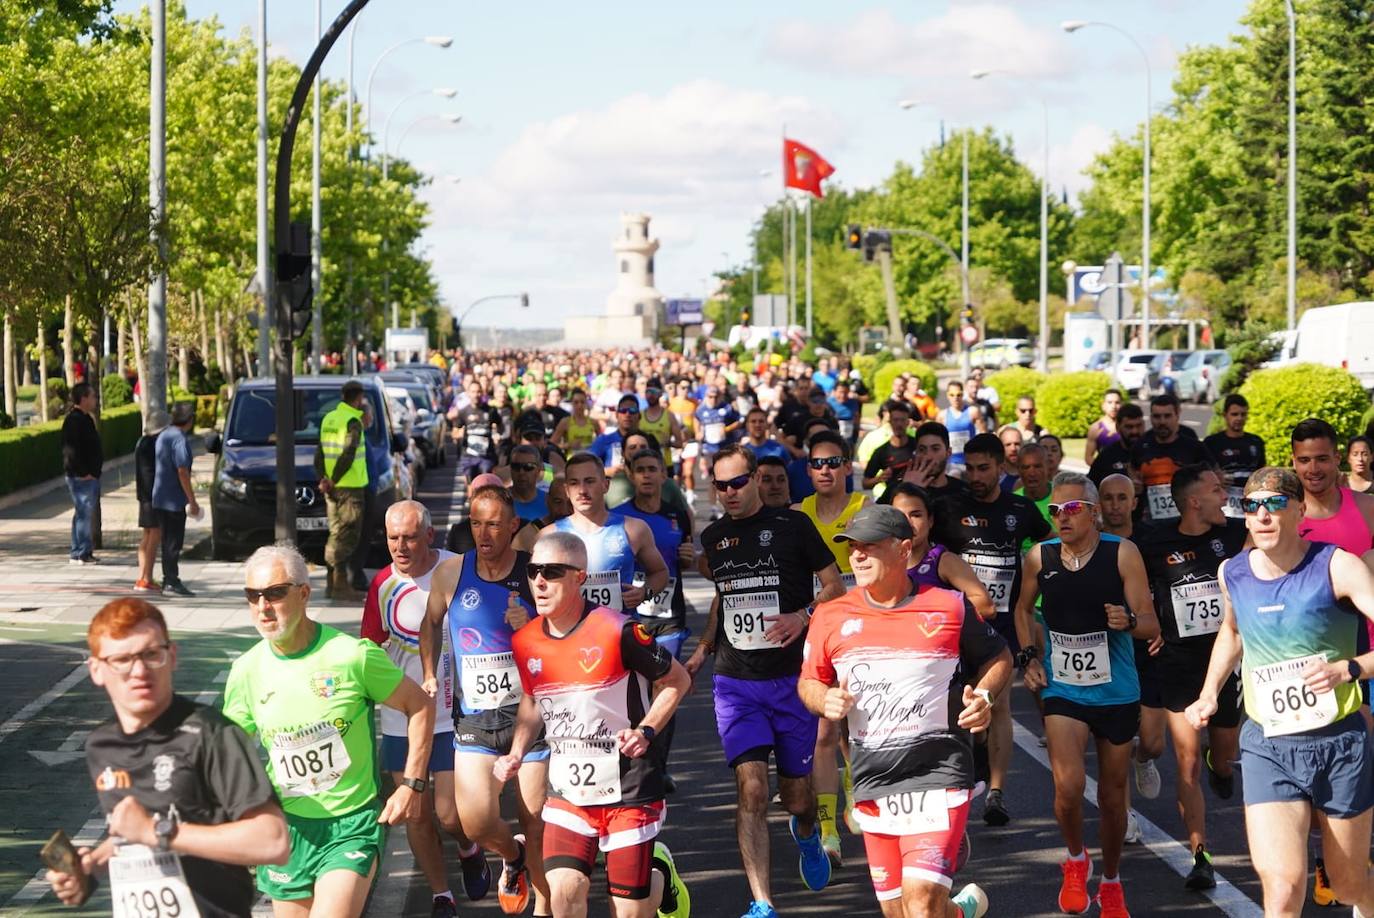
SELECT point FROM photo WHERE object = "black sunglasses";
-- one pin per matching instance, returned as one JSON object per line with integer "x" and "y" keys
{"x": 736, "y": 483}
{"x": 275, "y": 593}
{"x": 1274, "y": 503}
{"x": 524, "y": 466}
{"x": 825, "y": 462}
{"x": 549, "y": 571}
{"x": 627, "y": 409}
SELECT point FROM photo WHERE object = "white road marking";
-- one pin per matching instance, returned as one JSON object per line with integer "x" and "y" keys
{"x": 72, "y": 748}
{"x": 1226, "y": 897}
{"x": 28, "y": 711}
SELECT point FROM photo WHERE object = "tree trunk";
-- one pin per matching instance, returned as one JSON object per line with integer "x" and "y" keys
{"x": 248, "y": 361}
{"x": 22, "y": 355}
{"x": 121, "y": 352}
{"x": 10, "y": 375}
{"x": 139, "y": 365}
{"x": 68, "y": 349}
{"x": 204, "y": 328}
{"x": 42, "y": 369}
{"x": 183, "y": 367}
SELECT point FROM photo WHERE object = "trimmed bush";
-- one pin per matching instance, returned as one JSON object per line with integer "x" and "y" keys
{"x": 869, "y": 364}
{"x": 1014, "y": 383}
{"x": 115, "y": 391}
{"x": 32, "y": 454}
{"x": 1281, "y": 397}
{"x": 1070, "y": 402}
{"x": 882, "y": 379}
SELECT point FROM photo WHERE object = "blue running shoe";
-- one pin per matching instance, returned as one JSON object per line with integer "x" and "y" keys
{"x": 814, "y": 862}
{"x": 760, "y": 910}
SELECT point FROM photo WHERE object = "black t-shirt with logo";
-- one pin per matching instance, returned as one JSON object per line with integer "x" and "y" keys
{"x": 1157, "y": 462}
{"x": 988, "y": 535}
{"x": 193, "y": 758}
{"x": 480, "y": 425}
{"x": 761, "y": 565}
{"x": 1183, "y": 578}
{"x": 1238, "y": 457}
{"x": 896, "y": 458}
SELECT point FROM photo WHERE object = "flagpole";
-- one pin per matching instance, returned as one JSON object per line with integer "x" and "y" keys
{"x": 809, "y": 202}
{"x": 786, "y": 226}
{"x": 792, "y": 301}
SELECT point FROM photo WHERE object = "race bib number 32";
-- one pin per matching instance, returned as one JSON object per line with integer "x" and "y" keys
{"x": 585, "y": 772}
{"x": 1286, "y": 704}
{"x": 1080, "y": 659}
{"x": 747, "y": 616}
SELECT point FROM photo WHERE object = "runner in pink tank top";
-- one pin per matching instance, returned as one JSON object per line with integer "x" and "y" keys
{"x": 1346, "y": 528}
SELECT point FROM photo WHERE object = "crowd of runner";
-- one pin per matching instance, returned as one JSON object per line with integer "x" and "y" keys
{"x": 879, "y": 585}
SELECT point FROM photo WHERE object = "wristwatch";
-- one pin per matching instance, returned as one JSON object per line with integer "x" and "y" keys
{"x": 1026, "y": 655}
{"x": 649, "y": 732}
{"x": 1130, "y": 620}
{"x": 984, "y": 694}
{"x": 165, "y": 828}
{"x": 1353, "y": 667}
{"x": 416, "y": 784}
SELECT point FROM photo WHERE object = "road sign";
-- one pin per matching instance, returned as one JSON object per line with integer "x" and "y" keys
{"x": 683, "y": 312}
{"x": 969, "y": 334}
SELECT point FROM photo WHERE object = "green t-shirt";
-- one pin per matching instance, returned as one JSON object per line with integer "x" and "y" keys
{"x": 312, "y": 712}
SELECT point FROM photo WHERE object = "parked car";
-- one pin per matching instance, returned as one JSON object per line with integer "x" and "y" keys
{"x": 1200, "y": 374}
{"x": 429, "y": 425}
{"x": 1002, "y": 353}
{"x": 402, "y": 415}
{"x": 243, "y": 498}
{"x": 1099, "y": 361}
{"x": 1163, "y": 368}
{"x": 1132, "y": 372}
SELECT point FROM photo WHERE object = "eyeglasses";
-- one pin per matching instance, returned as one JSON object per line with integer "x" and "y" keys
{"x": 1274, "y": 503}
{"x": 274, "y": 594}
{"x": 153, "y": 658}
{"x": 825, "y": 462}
{"x": 735, "y": 483}
{"x": 1070, "y": 507}
{"x": 627, "y": 409}
{"x": 1025, "y": 411}
{"x": 525, "y": 466}
{"x": 549, "y": 571}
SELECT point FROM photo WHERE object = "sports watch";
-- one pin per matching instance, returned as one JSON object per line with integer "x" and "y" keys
{"x": 165, "y": 828}
{"x": 1353, "y": 667}
{"x": 649, "y": 732}
{"x": 416, "y": 784}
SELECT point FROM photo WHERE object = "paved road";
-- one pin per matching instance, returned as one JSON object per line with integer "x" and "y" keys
{"x": 46, "y": 704}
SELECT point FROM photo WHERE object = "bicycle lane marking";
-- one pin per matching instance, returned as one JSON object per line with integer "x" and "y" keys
{"x": 33, "y": 708}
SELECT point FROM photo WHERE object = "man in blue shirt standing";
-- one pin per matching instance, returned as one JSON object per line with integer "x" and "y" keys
{"x": 173, "y": 496}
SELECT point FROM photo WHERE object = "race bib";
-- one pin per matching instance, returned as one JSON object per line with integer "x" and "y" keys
{"x": 585, "y": 772}
{"x": 146, "y": 883}
{"x": 490, "y": 680}
{"x": 1161, "y": 500}
{"x": 660, "y": 605}
{"x": 845, "y": 578}
{"x": 1233, "y": 496}
{"x": 603, "y": 589}
{"x": 308, "y": 761}
{"x": 1286, "y": 705}
{"x": 1080, "y": 659}
{"x": 617, "y": 454}
{"x": 958, "y": 439}
{"x": 746, "y": 617}
{"x": 715, "y": 432}
{"x": 847, "y": 429}
{"x": 910, "y": 813}
{"x": 997, "y": 581}
{"x": 1197, "y": 607}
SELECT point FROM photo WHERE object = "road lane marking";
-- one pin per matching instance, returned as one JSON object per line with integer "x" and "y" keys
{"x": 1175, "y": 854}
{"x": 28, "y": 711}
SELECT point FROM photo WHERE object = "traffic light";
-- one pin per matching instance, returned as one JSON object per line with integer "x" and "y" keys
{"x": 875, "y": 241}
{"x": 744, "y": 318}
{"x": 854, "y": 237}
{"x": 966, "y": 315}
{"x": 293, "y": 277}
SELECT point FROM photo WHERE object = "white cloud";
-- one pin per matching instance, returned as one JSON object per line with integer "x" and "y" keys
{"x": 1068, "y": 159}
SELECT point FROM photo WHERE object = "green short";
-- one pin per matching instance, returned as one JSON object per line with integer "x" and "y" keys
{"x": 352, "y": 842}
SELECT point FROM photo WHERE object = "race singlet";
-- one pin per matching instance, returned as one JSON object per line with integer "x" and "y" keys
{"x": 1286, "y": 704}
{"x": 146, "y": 883}
{"x": 585, "y": 772}
{"x": 490, "y": 680}
{"x": 1080, "y": 659}
{"x": 309, "y": 761}
{"x": 1197, "y": 607}
{"x": 603, "y": 589}
{"x": 746, "y": 617}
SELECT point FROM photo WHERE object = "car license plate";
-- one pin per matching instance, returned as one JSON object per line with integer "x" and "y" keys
{"x": 312, "y": 522}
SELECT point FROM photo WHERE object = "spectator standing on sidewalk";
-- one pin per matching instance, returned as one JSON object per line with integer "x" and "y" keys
{"x": 81, "y": 461}
{"x": 172, "y": 494}
{"x": 145, "y": 473}
{"x": 341, "y": 463}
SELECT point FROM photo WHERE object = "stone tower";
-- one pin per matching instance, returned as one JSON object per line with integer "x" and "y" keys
{"x": 634, "y": 293}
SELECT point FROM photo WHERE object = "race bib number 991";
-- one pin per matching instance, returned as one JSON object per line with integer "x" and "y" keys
{"x": 747, "y": 616}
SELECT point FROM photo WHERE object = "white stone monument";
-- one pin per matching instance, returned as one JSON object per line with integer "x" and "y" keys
{"x": 634, "y": 309}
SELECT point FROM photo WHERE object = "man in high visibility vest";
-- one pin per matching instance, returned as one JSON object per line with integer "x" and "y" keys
{"x": 341, "y": 463}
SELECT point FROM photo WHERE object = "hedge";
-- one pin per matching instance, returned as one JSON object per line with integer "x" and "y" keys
{"x": 1070, "y": 402}
{"x": 868, "y": 366}
{"x": 882, "y": 379}
{"x": 29, "y": 455}
{"x": 1014, "y": 383}
{"x": 115, "y": 391}
{"x": 1281, "y": 397}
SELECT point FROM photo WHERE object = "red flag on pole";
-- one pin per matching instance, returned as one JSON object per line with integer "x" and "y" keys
{"x": 803, "y": 167}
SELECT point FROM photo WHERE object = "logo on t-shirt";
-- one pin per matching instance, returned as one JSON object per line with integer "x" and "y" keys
{"x": 1218, "y": 548}
{"x": 324, "y": 683}
{"x": 1011, "y": 522}
{"x": 470, "y": 599}
{"x": 535, "y": 666}
{"x": 765, "y": 537}
{"x": 110, "y": 779}
{"x": 641, "y": 635}
{"x": 163, "y": 766}
{"x": 469, "y": 639}
{"x": 591, "y": 658}
{"x": 851, "y": 627}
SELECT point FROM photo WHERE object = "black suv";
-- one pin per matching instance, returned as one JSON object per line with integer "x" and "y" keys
{"x": 243, "y": 498}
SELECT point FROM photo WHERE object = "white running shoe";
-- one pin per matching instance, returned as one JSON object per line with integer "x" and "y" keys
{"x": 1132, "y": 828}
{"x": 1147, "y": 779}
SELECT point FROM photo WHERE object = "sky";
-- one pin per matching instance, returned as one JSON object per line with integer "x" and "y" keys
{"x": 575, "y": 113}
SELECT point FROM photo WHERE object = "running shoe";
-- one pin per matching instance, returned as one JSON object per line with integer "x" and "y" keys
{"x": 1224, "y": 786}
{"x": 513, "y": 892}
{"x": 1202, "y": 876}
{"x": 676, "y": 902}
{"x": 1073, "y": 892}
{"x": 760, "y": 910}
{"x": 669, "y": 785}
{"x": 831, "y": 844}
{"x": 476, "y": 874}
{"x": 972, "y": 901}
{"x": 1147, "y": 779}
{"x": 147, "y": 586}
{"x": 813, "y": 863}
{"x": 1111, "y": 900}
{"x": 965, "y": 852}
{"x": 995, "y": 809}
{"x": 443, "y": 908}
{"x": 177, "y": 587}
{"x": 1321, "y": 887}
{"x": 1132, "y": 829}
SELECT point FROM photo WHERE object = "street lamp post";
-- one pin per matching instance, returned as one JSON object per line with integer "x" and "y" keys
{"x": 524, "y": 299}
{"x": 449, "y": 117}
{"x": 1292, "y": 165}
{"x": 1073, "y": 25}
{"x": 438, "y": 41}
{"x": 441, "y": 92}
{"x": 1043, "y": 358}
{"x": 316, "y": 217}
{"x": 264, "y": 278}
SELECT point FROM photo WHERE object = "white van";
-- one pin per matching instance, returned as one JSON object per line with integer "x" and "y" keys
{"x": 1339, "y": 336}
